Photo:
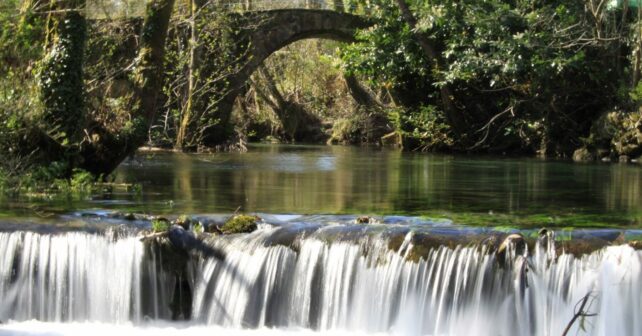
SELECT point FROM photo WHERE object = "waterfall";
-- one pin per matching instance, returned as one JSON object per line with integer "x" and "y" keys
{"x": 364, "y": 286}
{"x": 75, "y": 277}
{"x": 359, "y": 284}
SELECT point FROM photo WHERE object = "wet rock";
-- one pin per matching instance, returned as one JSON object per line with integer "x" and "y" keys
{"x": 184, "y": 221}
{"x": 188, "y": 241}
{"x": 240, "y": 224}
{"x": 583, "y": 155}
{"x": 624, "y": 159}
{"x": 546, "y": 242}
{"x": 545, "y": 237}
{"x": 213, "y": 229}
{"x": 182, "y": 239}
{"x": 580, "y": 247}
{"x": 512, "y": 246}
{"x": 636, "y": 244}
{"x": 423, "y": 243}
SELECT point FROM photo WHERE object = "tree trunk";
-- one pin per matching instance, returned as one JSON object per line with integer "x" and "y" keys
{"x": 193, "y": 74}
{"x": 359, "y": 93}
{"x": 453, "y": 116}
{"x": 61, "y": 77}
{"x": 638, "y": 51}
{"x": 106, "y": 151}
{"x": 275, "y": 98}
{"x": 148, "y": 75}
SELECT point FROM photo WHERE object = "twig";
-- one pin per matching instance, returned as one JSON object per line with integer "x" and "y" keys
{"x": 153, "y": 236}
{"x": 578, "y": 313}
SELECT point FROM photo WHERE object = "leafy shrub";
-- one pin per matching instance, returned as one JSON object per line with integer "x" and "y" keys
{"x": 423, "y": 128}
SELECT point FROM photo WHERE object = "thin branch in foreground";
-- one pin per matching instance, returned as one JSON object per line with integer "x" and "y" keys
{"x": 579, "y": 312}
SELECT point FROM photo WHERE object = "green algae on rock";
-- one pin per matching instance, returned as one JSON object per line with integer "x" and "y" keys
{"x": 240, "y": 224}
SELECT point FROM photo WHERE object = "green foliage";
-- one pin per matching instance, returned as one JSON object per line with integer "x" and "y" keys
{"x": 423, "y": 128}
{"x": 81, "y": 180}
{"x": 20, "y": 48}
{"x": 21, "y": 35}
{"x": 240, "y": 224}
{"x": 514, "y": 67}
{"x": 220, "y": 44}
{"x": 389, "y": 56}
{"x": 160, "y": 224}
{"x": 636, "y": 94}
{"x": 198, "y": 228}
{"x": 528, "y": 75}
{"x": 185, "y": 221}
{"x": 626, "y": 138}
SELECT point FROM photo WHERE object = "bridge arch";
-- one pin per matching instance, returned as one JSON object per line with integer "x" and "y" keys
{"x": 273, "y": 30}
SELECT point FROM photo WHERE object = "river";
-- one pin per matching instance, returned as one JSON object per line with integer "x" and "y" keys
{"x": 354, "y": 180}
{"x": 424, "y": 264}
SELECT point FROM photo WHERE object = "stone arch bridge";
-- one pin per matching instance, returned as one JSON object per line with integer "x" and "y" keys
{"x": 264, "y": 32}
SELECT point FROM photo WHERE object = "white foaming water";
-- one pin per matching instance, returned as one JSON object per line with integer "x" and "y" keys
{"x": 73, "y": 277}
{"x": 356, "y": 286}
{"x": 36, "y": 328}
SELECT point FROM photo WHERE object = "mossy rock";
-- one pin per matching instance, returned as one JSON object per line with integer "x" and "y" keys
{"x": 185, "y": 221}
{"x": 160, "y": 224}
{"x": 240, "y": 224}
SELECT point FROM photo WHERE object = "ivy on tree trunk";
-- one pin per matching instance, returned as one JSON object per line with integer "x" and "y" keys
{"x": 61, "y": 75}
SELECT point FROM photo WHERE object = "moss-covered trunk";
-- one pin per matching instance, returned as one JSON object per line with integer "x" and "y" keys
{"x": 192, "y": 76}
{"x": 61, "y": 76}
{"x": 148, "y": 76}
{"x": 107, "y": 150}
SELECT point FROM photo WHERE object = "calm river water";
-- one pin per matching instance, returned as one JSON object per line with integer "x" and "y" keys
{"x": 337, "y": 179}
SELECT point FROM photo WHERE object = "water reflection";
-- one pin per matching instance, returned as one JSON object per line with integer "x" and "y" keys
{"x": 323, "y": 179}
